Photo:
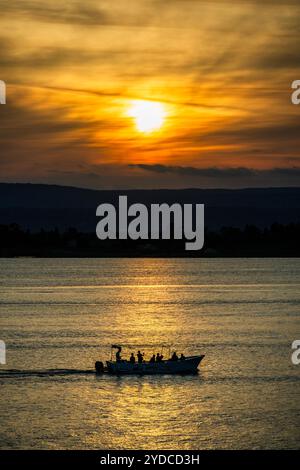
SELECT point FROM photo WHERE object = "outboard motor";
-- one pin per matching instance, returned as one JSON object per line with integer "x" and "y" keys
{"x": 99, "y": 367}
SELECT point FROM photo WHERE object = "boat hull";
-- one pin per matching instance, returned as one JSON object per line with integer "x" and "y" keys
{"x": 186, "y": 366}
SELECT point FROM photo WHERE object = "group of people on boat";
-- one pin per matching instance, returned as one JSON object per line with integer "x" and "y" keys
{"x": 155, "y": 358}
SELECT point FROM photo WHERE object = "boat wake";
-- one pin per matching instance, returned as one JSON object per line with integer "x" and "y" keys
{"x": 10, "y": 373}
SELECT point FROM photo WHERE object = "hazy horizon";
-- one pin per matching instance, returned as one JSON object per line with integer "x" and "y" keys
{"x": 187, "y": 188}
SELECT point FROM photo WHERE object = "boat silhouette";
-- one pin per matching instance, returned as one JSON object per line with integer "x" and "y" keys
{"x": 188, "y": 365}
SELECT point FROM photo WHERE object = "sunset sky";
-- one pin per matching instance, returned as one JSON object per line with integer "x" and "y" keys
{"x": 150, "y": 93}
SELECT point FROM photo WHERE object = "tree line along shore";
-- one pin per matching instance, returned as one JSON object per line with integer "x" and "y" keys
{"x": 275, "y": 241}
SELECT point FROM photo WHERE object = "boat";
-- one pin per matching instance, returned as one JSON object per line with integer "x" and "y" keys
{"x": 189, "y": 365}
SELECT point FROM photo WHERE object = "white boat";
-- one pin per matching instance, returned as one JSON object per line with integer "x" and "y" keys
{"x": 189, "y": 365}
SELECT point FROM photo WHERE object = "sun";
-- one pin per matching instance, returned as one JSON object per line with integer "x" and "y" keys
{"x": 149, "y": 116}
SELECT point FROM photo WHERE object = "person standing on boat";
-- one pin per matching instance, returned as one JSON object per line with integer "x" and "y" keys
{"x": 118, "y": 354}
{"x": 152, "y": 358}
{"x": 140, "y": 357}
{"x": 159, "y": 357}
{"x": 174, "y": 356}
{"x": 182, "y": 357}
{"x": 132, "y": 358}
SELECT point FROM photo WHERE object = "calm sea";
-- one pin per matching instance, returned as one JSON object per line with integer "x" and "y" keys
{"x": 58, "y": 316}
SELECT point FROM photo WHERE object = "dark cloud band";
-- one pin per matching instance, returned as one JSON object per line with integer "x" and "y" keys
{"x": 215, "y": 172}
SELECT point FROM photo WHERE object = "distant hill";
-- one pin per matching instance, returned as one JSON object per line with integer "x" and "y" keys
{"x": 36, "y": 206}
